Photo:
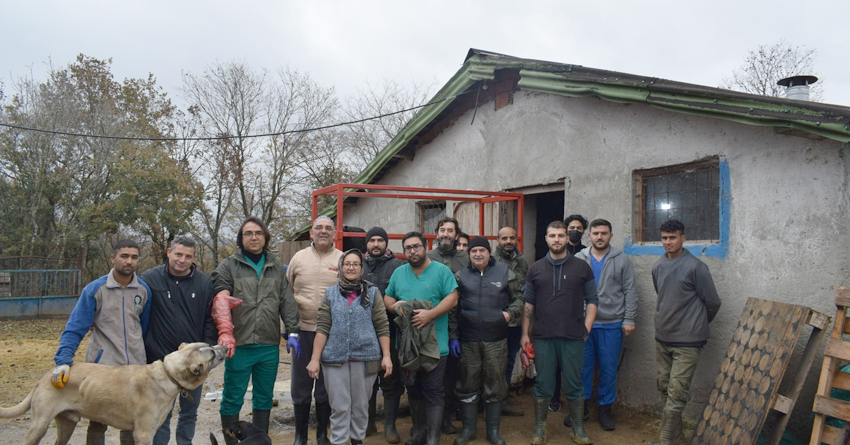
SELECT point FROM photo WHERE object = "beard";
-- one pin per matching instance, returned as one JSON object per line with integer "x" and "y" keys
{"x": 416, "y": 261}
{"x": 558, "y": 250}
{"x": 446, "y": 243}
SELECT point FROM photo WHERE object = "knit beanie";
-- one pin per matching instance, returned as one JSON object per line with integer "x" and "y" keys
{"x": 479, "y": 241}
{"x": 377, "y": 231}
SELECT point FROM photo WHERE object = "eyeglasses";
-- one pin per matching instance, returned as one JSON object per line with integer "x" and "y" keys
{"x": 252, "y": 234}
{"x": 413, "y": 248}
{"x": 351, "y": 265}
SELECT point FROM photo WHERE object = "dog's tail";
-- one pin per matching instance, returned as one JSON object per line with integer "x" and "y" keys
{"x": 212, "y": 439}
{"x": 17, "y": 410}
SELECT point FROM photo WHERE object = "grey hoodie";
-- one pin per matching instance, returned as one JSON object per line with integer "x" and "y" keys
{"x": 687, "y": 300}
{"x": 618, "y": 298}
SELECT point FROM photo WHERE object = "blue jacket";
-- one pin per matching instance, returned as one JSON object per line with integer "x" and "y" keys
{"x": 118, "y": 318}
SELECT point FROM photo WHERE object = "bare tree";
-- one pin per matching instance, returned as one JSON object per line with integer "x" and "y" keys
{"x": 768, "y": 64}
{"x": 367, "y": 138}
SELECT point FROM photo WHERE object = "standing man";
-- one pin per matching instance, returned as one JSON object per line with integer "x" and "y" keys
{"x": 615, "y": 317}
{"x": 255, "y": 279}
{"x": 463, "y": 242}
{"x": 557, "y": 289}
{"x": 116, "y": 308}
{"x": 378, "y": 266}
{"x": 488, "y": 302}
{"x": 446, "y": 252}
{"x": 507, "y": 252}
{"x": 311, "y": 271}
{"x": 433, "y": 285}
{"x": 576, "y": 226}
{"x": 687, "y": 302}
{"x": 181, "y": 298}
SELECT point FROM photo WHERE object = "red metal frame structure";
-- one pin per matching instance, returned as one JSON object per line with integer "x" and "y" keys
{"x": 342, "y": 191}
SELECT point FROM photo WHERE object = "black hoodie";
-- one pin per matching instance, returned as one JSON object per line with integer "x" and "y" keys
{"x": 559, "y": 289}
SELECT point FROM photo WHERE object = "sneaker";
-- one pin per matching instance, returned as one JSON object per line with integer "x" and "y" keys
{"x": 605, "y": 418}
{"x": 555, "y": 406}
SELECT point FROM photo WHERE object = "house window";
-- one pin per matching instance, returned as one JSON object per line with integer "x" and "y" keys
{"x": 429, "y": 213}
{"x": 689, "y": 193}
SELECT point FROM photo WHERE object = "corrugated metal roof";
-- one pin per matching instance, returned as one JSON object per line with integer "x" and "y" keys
{"x": 809, "y": 118}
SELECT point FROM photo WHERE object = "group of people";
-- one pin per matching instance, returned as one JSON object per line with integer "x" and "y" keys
{"x": 444, "y": 325}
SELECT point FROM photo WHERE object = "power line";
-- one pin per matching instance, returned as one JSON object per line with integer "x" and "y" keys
{"x": 218, "y": 138}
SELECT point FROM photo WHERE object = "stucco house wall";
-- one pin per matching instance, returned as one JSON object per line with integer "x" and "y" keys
{"x": 788, "y": 209}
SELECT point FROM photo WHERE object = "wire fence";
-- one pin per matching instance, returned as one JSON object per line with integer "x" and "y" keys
{"x": 40, "y": 283}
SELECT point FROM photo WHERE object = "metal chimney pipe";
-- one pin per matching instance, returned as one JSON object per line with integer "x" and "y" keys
{"x": 797, "y": 87}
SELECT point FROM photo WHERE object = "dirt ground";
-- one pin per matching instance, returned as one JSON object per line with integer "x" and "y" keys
{"x": 27, "y": 352}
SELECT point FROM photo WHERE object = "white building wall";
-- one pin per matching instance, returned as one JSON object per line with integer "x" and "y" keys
{"x": 789, "y": 213}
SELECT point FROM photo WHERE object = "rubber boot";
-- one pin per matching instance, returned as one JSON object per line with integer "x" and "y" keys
{"x": 434, "y": 415}
{"x": 469, "y": 417}
{"x": 260, "y": 419}
{"x": 569, "y": 422}
{"x": 96, "y": 433}
{"x": 228, "y": 421}
{"x": 511, "y": 410}
{"x": 577, "y": 414}
{"x": 605, "y": 418}
{"x": 671, "y": 429}
{"x": 390, "y": 416}
{"x": 302, "y": 423}
{"x": 126, "y": 438}
{"x": 446, "y": 426}
{"x": 493, "y": 417}
{"x": 541, "y": 411}
{"x": 370, "y": 424}
{"x": 420, "y": 425}
{"x": 323, "y": 418}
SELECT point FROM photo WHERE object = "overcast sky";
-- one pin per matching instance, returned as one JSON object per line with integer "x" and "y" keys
{"x": 345, "y": 44}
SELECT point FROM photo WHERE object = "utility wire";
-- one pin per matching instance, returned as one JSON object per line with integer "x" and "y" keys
{"x": 217, "y": 138}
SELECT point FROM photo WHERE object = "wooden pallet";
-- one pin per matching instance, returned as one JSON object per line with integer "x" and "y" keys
{"x": 745, "y": 390}
{"x": 831, "y": 376}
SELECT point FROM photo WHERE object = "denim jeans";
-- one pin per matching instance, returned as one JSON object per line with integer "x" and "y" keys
{"x": 185, "y": 420}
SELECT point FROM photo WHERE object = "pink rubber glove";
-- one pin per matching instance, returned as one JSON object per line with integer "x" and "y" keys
{"x": 221, "y": 307}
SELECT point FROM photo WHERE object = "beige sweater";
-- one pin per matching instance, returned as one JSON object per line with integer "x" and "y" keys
{"x": 309, "y": 274}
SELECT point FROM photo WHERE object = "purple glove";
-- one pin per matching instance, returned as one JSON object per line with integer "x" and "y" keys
{"x": 292, "y": 343}
{"x": 454, "y": 348}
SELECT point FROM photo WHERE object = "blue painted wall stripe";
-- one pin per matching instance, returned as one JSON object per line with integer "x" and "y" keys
{"x": 720, "y": 250}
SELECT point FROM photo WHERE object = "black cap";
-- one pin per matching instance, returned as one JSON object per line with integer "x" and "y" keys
{"x": 479, "y": 241}
{"x": 377, "y": 231}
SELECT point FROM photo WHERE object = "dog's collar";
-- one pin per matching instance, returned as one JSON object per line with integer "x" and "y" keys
{"x": 183, "y": 391}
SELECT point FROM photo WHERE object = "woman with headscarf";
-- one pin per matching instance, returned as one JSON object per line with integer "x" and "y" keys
{"x": 352, "y": 344}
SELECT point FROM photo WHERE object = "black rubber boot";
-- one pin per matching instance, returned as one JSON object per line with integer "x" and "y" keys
{"x": 434, "y": 415}
{"x": 541, "y": 411}
{"x": 469, "y": 417}
{"x": 493, "y": 419}
{"x": 511, "y": 410}
{"x": 577, "y": 415}
{"x": 671, "y": 429}
{"x": 447, "y": 427}
{"x": 126, "y": 438}
{"x": 260, "y": 419}
{"x": 96, "y": 434}
{"x": 302, "y": 423}
{"x": 323, "y": 417}
{"x": 420, "y": 424}
{"x": 227, "y": 422}
{"x": 390, "y": 416}
{"x": 568, "y": 422}
{"x": 370, "y": 425}
{"x": 605, "y": 418}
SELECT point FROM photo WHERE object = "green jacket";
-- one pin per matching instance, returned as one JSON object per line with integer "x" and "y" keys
{"x": 517, "y": 264}
{"x": 455, "y": 259}
{"x": 265, "y": 300}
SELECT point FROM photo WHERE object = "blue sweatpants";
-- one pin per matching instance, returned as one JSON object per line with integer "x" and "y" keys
{"x": 602, "y": 349}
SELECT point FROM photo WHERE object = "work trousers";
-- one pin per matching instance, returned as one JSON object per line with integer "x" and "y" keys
{"x": 514, "y": 338}
{"x": 549, "y": 353}
{"x": 257, "y": 363}
{"x": 482, "y": 366}
{"x": 602, "y": 349}
{"x": 392, "y": 384}
{"x": 450, "y": 379}
{"x": 676, "y": 366}
{"x": 302, "y": 384}
{"x": 349, "y": 389}
{"x": 186, "y": 420}
{"x": 428, "y": 385}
